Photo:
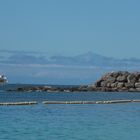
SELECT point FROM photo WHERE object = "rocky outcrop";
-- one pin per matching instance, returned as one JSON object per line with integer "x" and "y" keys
{"x": 49, "y": 89}
{"x": 118, "y": 81}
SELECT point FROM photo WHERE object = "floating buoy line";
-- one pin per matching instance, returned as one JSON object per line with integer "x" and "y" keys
{"x": 69, "y": 102}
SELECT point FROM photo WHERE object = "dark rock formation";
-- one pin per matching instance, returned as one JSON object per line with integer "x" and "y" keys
{"x": 119, "y": 81}
{"x": 50, "y": 89}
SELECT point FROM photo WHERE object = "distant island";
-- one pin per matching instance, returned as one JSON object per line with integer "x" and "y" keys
{"x": 121, "y": 81}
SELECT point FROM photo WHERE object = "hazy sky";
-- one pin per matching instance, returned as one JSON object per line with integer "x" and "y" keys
{"x": 71, "y": 27}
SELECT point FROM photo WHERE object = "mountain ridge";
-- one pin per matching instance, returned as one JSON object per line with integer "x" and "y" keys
{"x": 86, "y": 59}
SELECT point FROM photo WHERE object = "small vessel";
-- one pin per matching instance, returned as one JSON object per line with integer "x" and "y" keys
{"x": 3, "y": 79}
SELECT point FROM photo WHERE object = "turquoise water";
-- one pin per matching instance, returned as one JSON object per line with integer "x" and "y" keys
{"x": 69, "y": 122}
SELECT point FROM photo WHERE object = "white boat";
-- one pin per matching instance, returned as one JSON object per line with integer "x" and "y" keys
{"x": 3, "y": 79}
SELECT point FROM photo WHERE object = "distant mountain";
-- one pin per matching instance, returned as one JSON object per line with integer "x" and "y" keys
{"x": 24, "y": 59}
{"x": 82, "y": 60}
{"x": 92, "y": 59}
{"x": 87, "y": 59}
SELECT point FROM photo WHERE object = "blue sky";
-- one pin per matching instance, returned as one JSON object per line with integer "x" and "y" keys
{"x": 71, "y": 27}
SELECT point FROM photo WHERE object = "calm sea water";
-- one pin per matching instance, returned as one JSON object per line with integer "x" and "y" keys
{"x": 69, "y": 122}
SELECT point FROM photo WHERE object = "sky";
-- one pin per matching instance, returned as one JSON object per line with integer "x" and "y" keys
{"x": 65, "y": 41}
{"x": 71, "y": 27}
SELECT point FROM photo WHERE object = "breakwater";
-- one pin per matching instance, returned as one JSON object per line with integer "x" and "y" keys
{"x": 90, "y": 102}
{"x": 18, "y": 103}
{"x": 121, "y": 81}
{"x": 68, "y": 102}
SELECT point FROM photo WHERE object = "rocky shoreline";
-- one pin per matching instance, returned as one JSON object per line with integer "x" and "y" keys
{"x": 110, "y": 82}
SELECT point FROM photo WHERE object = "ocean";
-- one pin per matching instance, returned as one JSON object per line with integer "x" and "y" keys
{"x": 69, "y": 122}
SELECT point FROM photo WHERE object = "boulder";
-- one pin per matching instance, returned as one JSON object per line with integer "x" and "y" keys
{"x": 120, "y": 85}
{"x": 137, "y": 85}
{"x": 132, "y": 90}
{"x": 122, "y": 78}
{"x": 104, "y": 84}
{"x": 106, "y": 76}
{"x": 131, "y": 78}
{"x": 129, "y": 85}
{"x": 111, "y": 79}
{"x": 138, "y": 89}
{"x": 108, "y": 85}
{"x": 98, "y": 83}
{"x": 115, "y": 74}
{"x": 113, "y": 85}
